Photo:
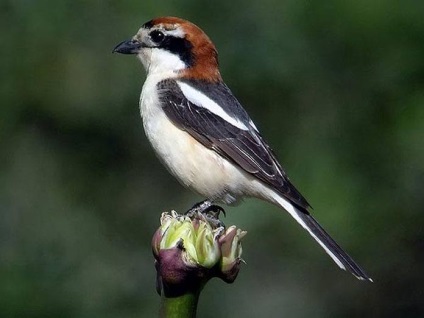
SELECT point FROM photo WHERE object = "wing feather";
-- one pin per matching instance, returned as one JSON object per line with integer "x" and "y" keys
{"x": 246, "y": 148}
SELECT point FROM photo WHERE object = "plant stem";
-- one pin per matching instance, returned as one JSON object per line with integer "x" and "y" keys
{"x": 183, "y": 306}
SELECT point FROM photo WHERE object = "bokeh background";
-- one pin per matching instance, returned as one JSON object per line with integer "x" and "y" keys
{"x": 336, "y": 87}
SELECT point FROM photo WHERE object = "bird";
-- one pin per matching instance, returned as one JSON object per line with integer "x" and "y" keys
{"x": 203, "y": 135}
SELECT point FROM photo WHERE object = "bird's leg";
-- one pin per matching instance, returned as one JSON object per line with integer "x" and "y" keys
{"x": 199, "y": 207}
{"x": 209, "y": 210}
{"x": 206, "y": 207}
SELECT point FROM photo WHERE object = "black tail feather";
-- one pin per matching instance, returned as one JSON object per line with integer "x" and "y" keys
{"x": 331, "y": 246}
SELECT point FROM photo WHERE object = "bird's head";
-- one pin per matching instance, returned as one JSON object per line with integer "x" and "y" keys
{"x": 173, "y": 46}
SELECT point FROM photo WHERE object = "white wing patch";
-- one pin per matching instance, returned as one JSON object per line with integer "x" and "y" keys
{"x": 201, "y": 100}
{"x": 253, "y": 125}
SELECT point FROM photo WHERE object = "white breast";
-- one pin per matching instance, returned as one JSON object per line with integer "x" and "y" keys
{"x": 195, "y": 166}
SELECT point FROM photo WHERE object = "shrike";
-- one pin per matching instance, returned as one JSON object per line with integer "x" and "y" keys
{"x": 203, "y": 135}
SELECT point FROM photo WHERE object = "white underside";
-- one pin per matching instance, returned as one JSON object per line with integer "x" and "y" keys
{"x": 202, "y": 169}
{"x": 195, "y": 166}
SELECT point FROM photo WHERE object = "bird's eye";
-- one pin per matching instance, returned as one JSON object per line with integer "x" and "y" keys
{"x": 157, "y": 36}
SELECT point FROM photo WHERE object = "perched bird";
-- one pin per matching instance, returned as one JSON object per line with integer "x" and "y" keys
{"x": 203, "y": 135}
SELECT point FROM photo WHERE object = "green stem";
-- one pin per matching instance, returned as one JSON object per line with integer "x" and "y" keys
{"x": 183, "y": 306}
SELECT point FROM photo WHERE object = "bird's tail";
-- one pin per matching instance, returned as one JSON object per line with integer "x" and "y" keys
{"x": 340, "y": 257}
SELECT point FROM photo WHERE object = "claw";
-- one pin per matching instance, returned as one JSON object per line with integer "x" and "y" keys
{"x": 199, "y": 207}
{"x": 214, "y": 211}
{"x": 209, "y": 211}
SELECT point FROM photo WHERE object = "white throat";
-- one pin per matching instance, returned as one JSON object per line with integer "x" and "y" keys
{"x": 159, "y": 61}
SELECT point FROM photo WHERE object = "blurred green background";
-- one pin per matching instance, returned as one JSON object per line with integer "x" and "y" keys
{"x": 337, "y": 89}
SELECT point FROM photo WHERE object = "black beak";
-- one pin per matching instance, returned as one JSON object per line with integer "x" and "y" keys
{"x": 127, "y": 47}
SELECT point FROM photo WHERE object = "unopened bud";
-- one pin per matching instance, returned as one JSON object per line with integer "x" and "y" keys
{"x": 231, "y": 250}
{"x": 191, "y": 250}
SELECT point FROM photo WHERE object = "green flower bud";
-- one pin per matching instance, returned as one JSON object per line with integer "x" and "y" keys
{"x": 190, "y": 250}
{"x": 199, "y": 240}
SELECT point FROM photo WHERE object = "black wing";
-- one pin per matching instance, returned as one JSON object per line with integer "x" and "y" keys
{"x": 244, "y": 147}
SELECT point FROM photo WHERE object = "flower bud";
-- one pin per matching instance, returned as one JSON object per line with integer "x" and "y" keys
{"x": 231, "y": 251}
{"x": 199, "y": 240}
{"x": 191, "y": 250}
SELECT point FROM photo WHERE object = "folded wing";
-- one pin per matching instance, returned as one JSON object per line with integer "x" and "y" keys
{"x": 212, "y": 115}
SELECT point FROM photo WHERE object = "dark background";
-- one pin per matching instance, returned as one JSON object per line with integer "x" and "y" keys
{"x": 337, "y": 89}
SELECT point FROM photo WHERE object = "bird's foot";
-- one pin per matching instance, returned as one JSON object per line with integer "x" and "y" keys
{"x": 209, "y": 211}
